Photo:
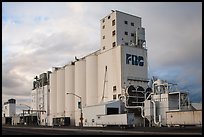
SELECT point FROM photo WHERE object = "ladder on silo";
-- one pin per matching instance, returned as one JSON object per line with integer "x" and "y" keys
{"x": 104, "y": 84}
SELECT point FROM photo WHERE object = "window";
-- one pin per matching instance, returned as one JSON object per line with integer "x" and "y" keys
{"x": 103, "y": 20}
{"x": 132, "y": 34}
{"x": 114, "y": 88}
{"x": 114, "y": 96}
{"x": 113, "y": 33}
{"x": 119, "y": 95}
{"x": 126, "y": 22}
{"x": 113, "y": 22}
{"x": 113, "y": 44}
{"x": 104, "y": 37}
{"x": 103, "y": 47}
{"x": 103, "y": 26}
{"x": 92, "y": 120}
{"x": 132, "y": 24}
{"x": 126, "y": 33}
{"x": 108, "y": 17}
{"x": 126, "y": 43}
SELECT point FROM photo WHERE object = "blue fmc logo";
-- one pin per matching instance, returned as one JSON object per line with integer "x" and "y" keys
{"x": 134, "y": 60}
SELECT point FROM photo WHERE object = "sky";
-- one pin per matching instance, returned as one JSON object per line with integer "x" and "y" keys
{"x": 39, "y": 36}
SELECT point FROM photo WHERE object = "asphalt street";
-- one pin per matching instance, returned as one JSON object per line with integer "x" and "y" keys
{"x": 13, "y": 130}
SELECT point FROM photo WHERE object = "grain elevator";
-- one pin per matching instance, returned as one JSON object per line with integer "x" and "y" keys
{"x": 110, "y": 85}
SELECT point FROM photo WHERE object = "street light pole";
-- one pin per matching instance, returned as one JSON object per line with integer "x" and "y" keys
{"x": 81, "y": 117}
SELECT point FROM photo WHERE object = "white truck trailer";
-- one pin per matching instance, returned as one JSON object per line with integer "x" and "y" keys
{"x": 126, "y": 120}
{"x": 184, "y": 118}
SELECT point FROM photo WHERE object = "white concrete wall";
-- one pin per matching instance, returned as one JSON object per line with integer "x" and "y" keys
{"x": 53, "y": 95}
{"x": 134, "y": 72}
{"x": 69, "y": 88}
{"x": 80, "y": 87}
{"x": 121, "y": 27}
{"x": 91, "y": 80}
{"x": 107, "y": 32}
{"x": 90, "y": 114}
{"x": 111, "y": 59}
{"x": 61, "y": 92}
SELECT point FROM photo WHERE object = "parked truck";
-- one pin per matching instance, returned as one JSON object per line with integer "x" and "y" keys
{"x": 184, "y": 118}
{"x": 123, "y": 120}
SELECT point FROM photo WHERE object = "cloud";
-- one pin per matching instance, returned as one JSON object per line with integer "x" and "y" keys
{"x": 38, "y": 36}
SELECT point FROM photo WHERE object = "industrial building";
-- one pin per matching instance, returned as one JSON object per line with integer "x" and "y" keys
{"x": 110, "y": 85}
{"x": 9, "y": 108}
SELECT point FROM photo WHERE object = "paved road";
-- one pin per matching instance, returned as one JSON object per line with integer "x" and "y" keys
{"x": 98, "y": 131}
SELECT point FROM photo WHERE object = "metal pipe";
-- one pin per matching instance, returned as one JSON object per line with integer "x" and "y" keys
{"x": 142, "y": 109}
{"x": 179, "y": 100}
{"x": 157, "y": 123}
{"x": 149, "y": 95}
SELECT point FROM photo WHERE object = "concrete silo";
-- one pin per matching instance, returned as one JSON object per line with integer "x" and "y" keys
{"x": 69, "y": 88}
{"x": 60, "y": 92}
{"x": 91, "y": 80}
{"x": 80, "y": 88}
{"x": 53, "y": 95}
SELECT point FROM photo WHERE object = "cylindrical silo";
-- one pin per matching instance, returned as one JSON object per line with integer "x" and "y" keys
{"x": 53, "y": 95}
{"x": 91, "y": 80}
{"x": 69, "y": 88}
{"x": 80, "y": 87}
{"x": 60, "y": 92}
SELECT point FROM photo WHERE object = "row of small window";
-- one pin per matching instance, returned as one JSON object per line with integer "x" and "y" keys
{"x": 126, "y": 33}
{"x": 104, "y": 19}
{"x": 126, "y": 22}
{"x": 113, "y": 44}
{"x": 115, "y": 96}
{"x": 113, "y": 23}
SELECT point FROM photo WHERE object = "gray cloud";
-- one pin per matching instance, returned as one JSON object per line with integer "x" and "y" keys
{"x": 173, "y": 34}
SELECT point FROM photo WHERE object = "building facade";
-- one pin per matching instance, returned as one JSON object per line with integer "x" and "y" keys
{"x": 9, "y": 108}
{"x": 99, "y": 77}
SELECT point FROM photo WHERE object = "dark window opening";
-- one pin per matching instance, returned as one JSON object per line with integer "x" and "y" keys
{"x": 113, "y": 33}
{"x": 108, "y": 17}
{"x": 103, "y": 47}
{"x": 114, "y": 96}
{"x": 126, "y": 33}
{"x": 113, "y": 44}
{"x": 104, "y": 37}
{"x": 132, "y": 24}
{"x": 112, "y": 111}
{"x": 103, "y": 20}
{"x": 103, "y": 26}
{"x": 126, "y": 22}
{"x": 132, "y": 34}
{"x": 113, "y": 22}
{"x": 126, "y": 43}
{"x": 114, "y": 88}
